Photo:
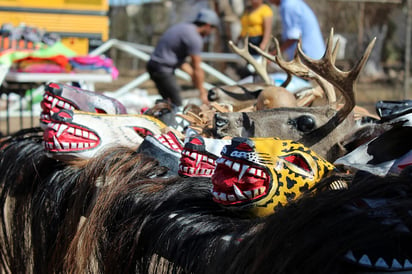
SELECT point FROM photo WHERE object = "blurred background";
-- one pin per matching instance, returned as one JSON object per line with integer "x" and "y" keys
{"x": 87, "y": 25}
{"x": 354, "y": 22}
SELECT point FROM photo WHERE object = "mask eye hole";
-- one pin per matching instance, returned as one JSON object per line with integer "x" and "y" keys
{"x": 299, "y": 161}
{"x": 142, "y": 131}
{"x": 243, "y": 144}
{"x": 99, "y": 110}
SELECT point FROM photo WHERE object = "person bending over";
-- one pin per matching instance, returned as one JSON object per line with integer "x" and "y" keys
{"x": 175, "y": 45}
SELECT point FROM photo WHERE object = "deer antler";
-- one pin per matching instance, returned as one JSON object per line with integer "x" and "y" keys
{"x": 296, "y": 67}
{"x": 244, "y": 53}
{"x": 271, "y": 58}
{"x": 344, "y": 81}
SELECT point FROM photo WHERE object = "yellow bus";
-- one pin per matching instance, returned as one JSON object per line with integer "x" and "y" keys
{"x": 82, "y": 24}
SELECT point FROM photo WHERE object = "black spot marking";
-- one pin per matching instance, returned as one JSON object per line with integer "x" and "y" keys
{"x": 304, "y": 188}
{"x": 290, "y": 196}
{"x": 290, "y": 183}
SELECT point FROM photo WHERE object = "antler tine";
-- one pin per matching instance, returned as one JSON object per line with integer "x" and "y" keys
{"x": 335, "y": 48}
{"x": 296, "y": 67}
{"x": 273, "y": 59}
{"x": 335, "y": 51}
{"x": 244, "y": 53}
{"x": 342, "y": 80}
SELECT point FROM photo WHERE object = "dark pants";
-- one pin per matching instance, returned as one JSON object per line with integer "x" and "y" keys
{"x": 166, "y": 84}
{"x": 255, "y": 40}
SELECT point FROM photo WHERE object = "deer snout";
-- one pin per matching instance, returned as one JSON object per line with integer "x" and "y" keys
{"x": 219, "y": 123}
{"x": 212, "y": 95}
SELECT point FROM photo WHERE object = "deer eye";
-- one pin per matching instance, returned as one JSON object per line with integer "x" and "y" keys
{"x": 305, "y": 123}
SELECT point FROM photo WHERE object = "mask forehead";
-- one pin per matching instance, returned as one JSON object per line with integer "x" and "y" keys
{"x": 274, "y": 151}
{"x": 273, "y": 147}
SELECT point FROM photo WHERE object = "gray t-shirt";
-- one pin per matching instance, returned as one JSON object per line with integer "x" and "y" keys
{"x": 177, "y": 43}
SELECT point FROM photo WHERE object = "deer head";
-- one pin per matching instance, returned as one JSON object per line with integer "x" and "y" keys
{"x": 245, "y": 95}
{"x": 320, "y": 128}
{"x": 297, "y": 68}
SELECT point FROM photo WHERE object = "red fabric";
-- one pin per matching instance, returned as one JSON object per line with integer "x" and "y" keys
{"x": 61, "y": 60}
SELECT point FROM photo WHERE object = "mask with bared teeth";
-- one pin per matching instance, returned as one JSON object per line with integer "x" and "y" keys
{"x": 260, "y": 174}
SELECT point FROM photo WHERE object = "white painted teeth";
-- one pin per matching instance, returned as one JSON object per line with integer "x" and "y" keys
{"x": 396, "y": 264}
{"x": 249, "y": 194}
{"x": 256, "y": 192}
{"x": 198, "y": 157}
{"x": 241, "y": 168}
{"x": 243, "y": 171}
{"x": 56, "y": 142}
{"x": 239, "y": 195}
{"x": 54, "y": 102}
{"x": 228, "y": 163}
{"x": 236, "y": 167}
{"x": 223, "y": 197}
{"x": 364, "y": 260}
{"x": 380, "y": 262}
{"x": 196, "y": 171}
{"x": 62, "y": 128}
{"x": 167, "y": 141}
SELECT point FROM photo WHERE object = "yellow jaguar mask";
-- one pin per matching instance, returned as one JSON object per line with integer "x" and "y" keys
{"x": 260, "y": 174}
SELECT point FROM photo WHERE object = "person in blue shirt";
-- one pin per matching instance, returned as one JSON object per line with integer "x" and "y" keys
{"x": 299, "y": 22}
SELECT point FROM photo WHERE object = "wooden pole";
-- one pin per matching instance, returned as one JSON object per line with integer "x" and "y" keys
{"x": 407, "y": 50}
